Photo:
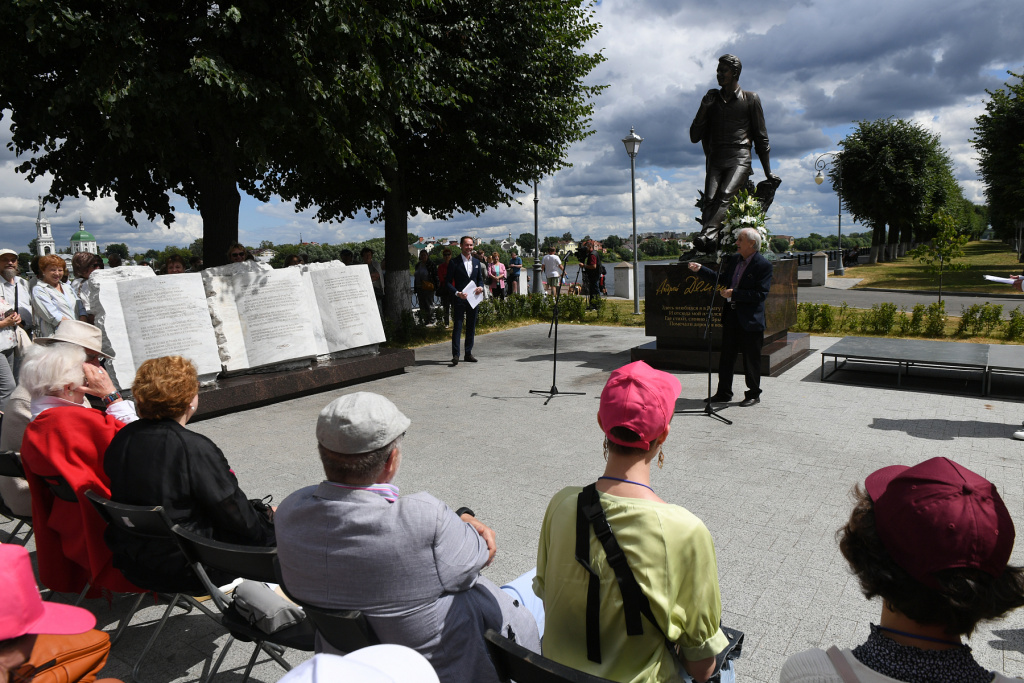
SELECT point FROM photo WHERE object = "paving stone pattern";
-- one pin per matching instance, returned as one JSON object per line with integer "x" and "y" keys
{"x": 772, "y": 488}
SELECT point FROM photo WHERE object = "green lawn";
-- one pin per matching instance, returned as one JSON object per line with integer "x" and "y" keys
{"x": 982, "y": 258}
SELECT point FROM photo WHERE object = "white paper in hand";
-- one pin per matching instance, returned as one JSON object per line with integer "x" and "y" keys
{"x": 1003, "y": 280}
{"x": 472, "y": 298}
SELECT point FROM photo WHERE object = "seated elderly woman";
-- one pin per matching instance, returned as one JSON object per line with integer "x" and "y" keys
{"x": 65, "y": 441}
{"x": 156, "y": 461}
{"x": 52, "y": 300}
{"x": 591, "y": 622}
{"x": 933, "y": 541}
{"x": 18, "y": 409}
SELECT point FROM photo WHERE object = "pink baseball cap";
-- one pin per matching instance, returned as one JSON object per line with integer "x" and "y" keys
{"x": 940, "y": 515}
{"x": 23, "y": 611}
{"x": 641, "y": 399}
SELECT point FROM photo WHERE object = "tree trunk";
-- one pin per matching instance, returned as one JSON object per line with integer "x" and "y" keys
{"x": 218, "y": 205}
{"x": 397, "y": 294}
{"x": 877, "y": 241}
{"x": 894, "y": 242}
{"x": 906, "y": 236}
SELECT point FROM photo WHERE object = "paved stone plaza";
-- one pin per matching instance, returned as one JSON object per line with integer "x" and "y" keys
{"x": 773, "y": 487}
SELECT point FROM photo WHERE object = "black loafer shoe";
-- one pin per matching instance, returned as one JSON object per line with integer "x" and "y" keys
{"x": 747, "y": 402}
{"x": 455, "y": 360}
{"x": 470, "y": 358}
{"x": 719, "y": 398}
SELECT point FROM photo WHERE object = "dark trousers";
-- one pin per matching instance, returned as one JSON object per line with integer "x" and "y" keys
{"x": 735, "y": 340}
{"x": 462, "y": 309}
{"x": 727, "y": 174}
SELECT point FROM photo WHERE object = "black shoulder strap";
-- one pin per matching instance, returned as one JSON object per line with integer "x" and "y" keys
{"x": 589, "y": 513}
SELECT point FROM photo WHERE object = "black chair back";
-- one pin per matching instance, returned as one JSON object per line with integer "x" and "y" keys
{"x": 514, "y": 662}
{"x": 149, "y": 521}
{"x": 60, "y": 487}
{"x": 344, "y": 630}
{"x": 247, "y": 561}
{"x": 10, "y": 465}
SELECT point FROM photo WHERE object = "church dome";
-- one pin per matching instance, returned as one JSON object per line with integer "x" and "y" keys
{"x": 83, "y": 236}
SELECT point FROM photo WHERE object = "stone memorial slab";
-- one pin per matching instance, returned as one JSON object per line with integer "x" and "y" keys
{"x": 677, "y": 303}
{"x": 143, "y": 316}
{"x": 168, "y": 316}
{"x": 105, "y": 304}
{"x": 260, "y": 316}
{"x": 347, "y": 306}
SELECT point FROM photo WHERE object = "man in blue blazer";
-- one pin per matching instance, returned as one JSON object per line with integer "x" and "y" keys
{"x": 746, "y": 277}
{"x": 460, "y": 272}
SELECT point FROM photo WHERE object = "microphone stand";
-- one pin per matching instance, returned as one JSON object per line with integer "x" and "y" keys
{"x": 551, "y": 393}
{"x": 708, "y": 410}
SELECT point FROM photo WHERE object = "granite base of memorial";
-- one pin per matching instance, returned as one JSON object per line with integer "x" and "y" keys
{"x": 243, "y": 392}
{"x": 677, "y": 301}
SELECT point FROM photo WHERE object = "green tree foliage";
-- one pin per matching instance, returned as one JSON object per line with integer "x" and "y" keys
{"x": 1000, "y": 144}
{"x": 944, "y": 248}
{"x": 890, "y": 170}
{"x": 33, "y": 245}
{"x": 439, "y": 106}
{"x": 196, "y": 247}
{"x": 527, "y": 242}
{"x": 120, "y": 249}
{"x": 118, "y": 98}
{"x": 780, "y": 244}
{"x": 612, "y": 242}
{"x": 412, "y": 238}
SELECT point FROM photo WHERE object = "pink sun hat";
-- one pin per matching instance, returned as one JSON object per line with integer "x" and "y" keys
{"x": 23, "y": 611}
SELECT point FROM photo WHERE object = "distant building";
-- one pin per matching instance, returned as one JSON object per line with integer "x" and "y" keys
{"x": 83, "y": 241}
{"x": 44, "y": 236}
{"x": 265, "y": 255}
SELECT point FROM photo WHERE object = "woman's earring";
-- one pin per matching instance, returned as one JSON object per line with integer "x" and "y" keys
{"x": 606, "y": 449}
{"x": 661, "y": 457}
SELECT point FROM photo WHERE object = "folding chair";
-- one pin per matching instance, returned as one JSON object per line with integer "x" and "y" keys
{"x": 514, "y": 662}
{"x": 249, "y": 562}
{"x": 344, "y": 630}
{"x": 144, "y": 522}
{"x": 10, "y": 466}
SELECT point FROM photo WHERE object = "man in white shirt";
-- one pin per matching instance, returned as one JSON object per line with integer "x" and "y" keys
{"x": 15, "y": 293}
{"x": 552, "y": 266}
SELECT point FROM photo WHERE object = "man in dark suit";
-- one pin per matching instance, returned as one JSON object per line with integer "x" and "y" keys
{"x": 460, "y": 272}
{"x": 746, "y": 276}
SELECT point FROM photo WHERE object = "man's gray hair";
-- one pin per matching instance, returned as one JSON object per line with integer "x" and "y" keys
{"x": 358, "y": 467}
{"x": 48, "y": 369}
{"x": 751, "y": 234}
{"x": 734, "y": 63}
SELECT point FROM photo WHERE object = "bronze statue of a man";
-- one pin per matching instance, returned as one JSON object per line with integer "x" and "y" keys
{"x": 728, "y": 122}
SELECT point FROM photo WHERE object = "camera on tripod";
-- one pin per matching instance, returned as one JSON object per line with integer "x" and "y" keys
{"x": 582, "y": 253}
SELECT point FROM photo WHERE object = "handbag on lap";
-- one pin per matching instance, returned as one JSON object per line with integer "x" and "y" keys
{"x": 590, "y": 514}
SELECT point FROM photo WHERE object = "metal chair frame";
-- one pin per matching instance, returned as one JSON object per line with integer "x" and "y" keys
{"x": 148, "y": 522}
{"x": 249, "y": 562}
{"x": 10, "y": 466}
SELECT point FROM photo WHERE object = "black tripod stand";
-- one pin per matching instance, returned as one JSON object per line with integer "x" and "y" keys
{"x": 708, "y": 410}
{"x": 554, "y": 357}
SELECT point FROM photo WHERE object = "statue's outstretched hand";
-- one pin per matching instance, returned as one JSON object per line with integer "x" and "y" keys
{"x": 776, "y": 180}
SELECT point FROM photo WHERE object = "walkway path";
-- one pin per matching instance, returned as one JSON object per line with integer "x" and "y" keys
{"x": 773, "y": 488}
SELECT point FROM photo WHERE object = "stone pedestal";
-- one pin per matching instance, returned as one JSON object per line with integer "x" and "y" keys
{"x": 819, "y": 269}
{"x": 677, "y": 303}
{"x": 624, "y": 280}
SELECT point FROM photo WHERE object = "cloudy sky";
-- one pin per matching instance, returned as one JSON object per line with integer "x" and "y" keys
{"x": 818, "y": 66}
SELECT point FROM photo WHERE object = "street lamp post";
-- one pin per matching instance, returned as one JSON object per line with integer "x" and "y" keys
{"x": 537, "y": 286}
{"x": 820, "y": 164}
{"x": 632, "y": 143}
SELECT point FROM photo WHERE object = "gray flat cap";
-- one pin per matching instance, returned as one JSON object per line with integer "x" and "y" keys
{"x": 359, "y": 423}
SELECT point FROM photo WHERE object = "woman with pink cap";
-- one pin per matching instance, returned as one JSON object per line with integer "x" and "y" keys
{"x": 44, "y": 640}
{"x": 593, "y": 624}
{"x": 934, "y": 542}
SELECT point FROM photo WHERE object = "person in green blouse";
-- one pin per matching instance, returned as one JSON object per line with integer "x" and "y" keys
{"x": 668, "y": 549}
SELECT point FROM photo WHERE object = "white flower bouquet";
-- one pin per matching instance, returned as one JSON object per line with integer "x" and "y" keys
{"x": 745, "y": 211}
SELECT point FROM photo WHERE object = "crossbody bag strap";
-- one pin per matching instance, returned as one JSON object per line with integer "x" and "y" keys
{"x": 589, "y": 513}
{"x": 841, "y": 665}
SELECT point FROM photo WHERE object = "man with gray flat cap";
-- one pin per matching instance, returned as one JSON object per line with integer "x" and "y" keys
{"x": 409, "y": 563}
